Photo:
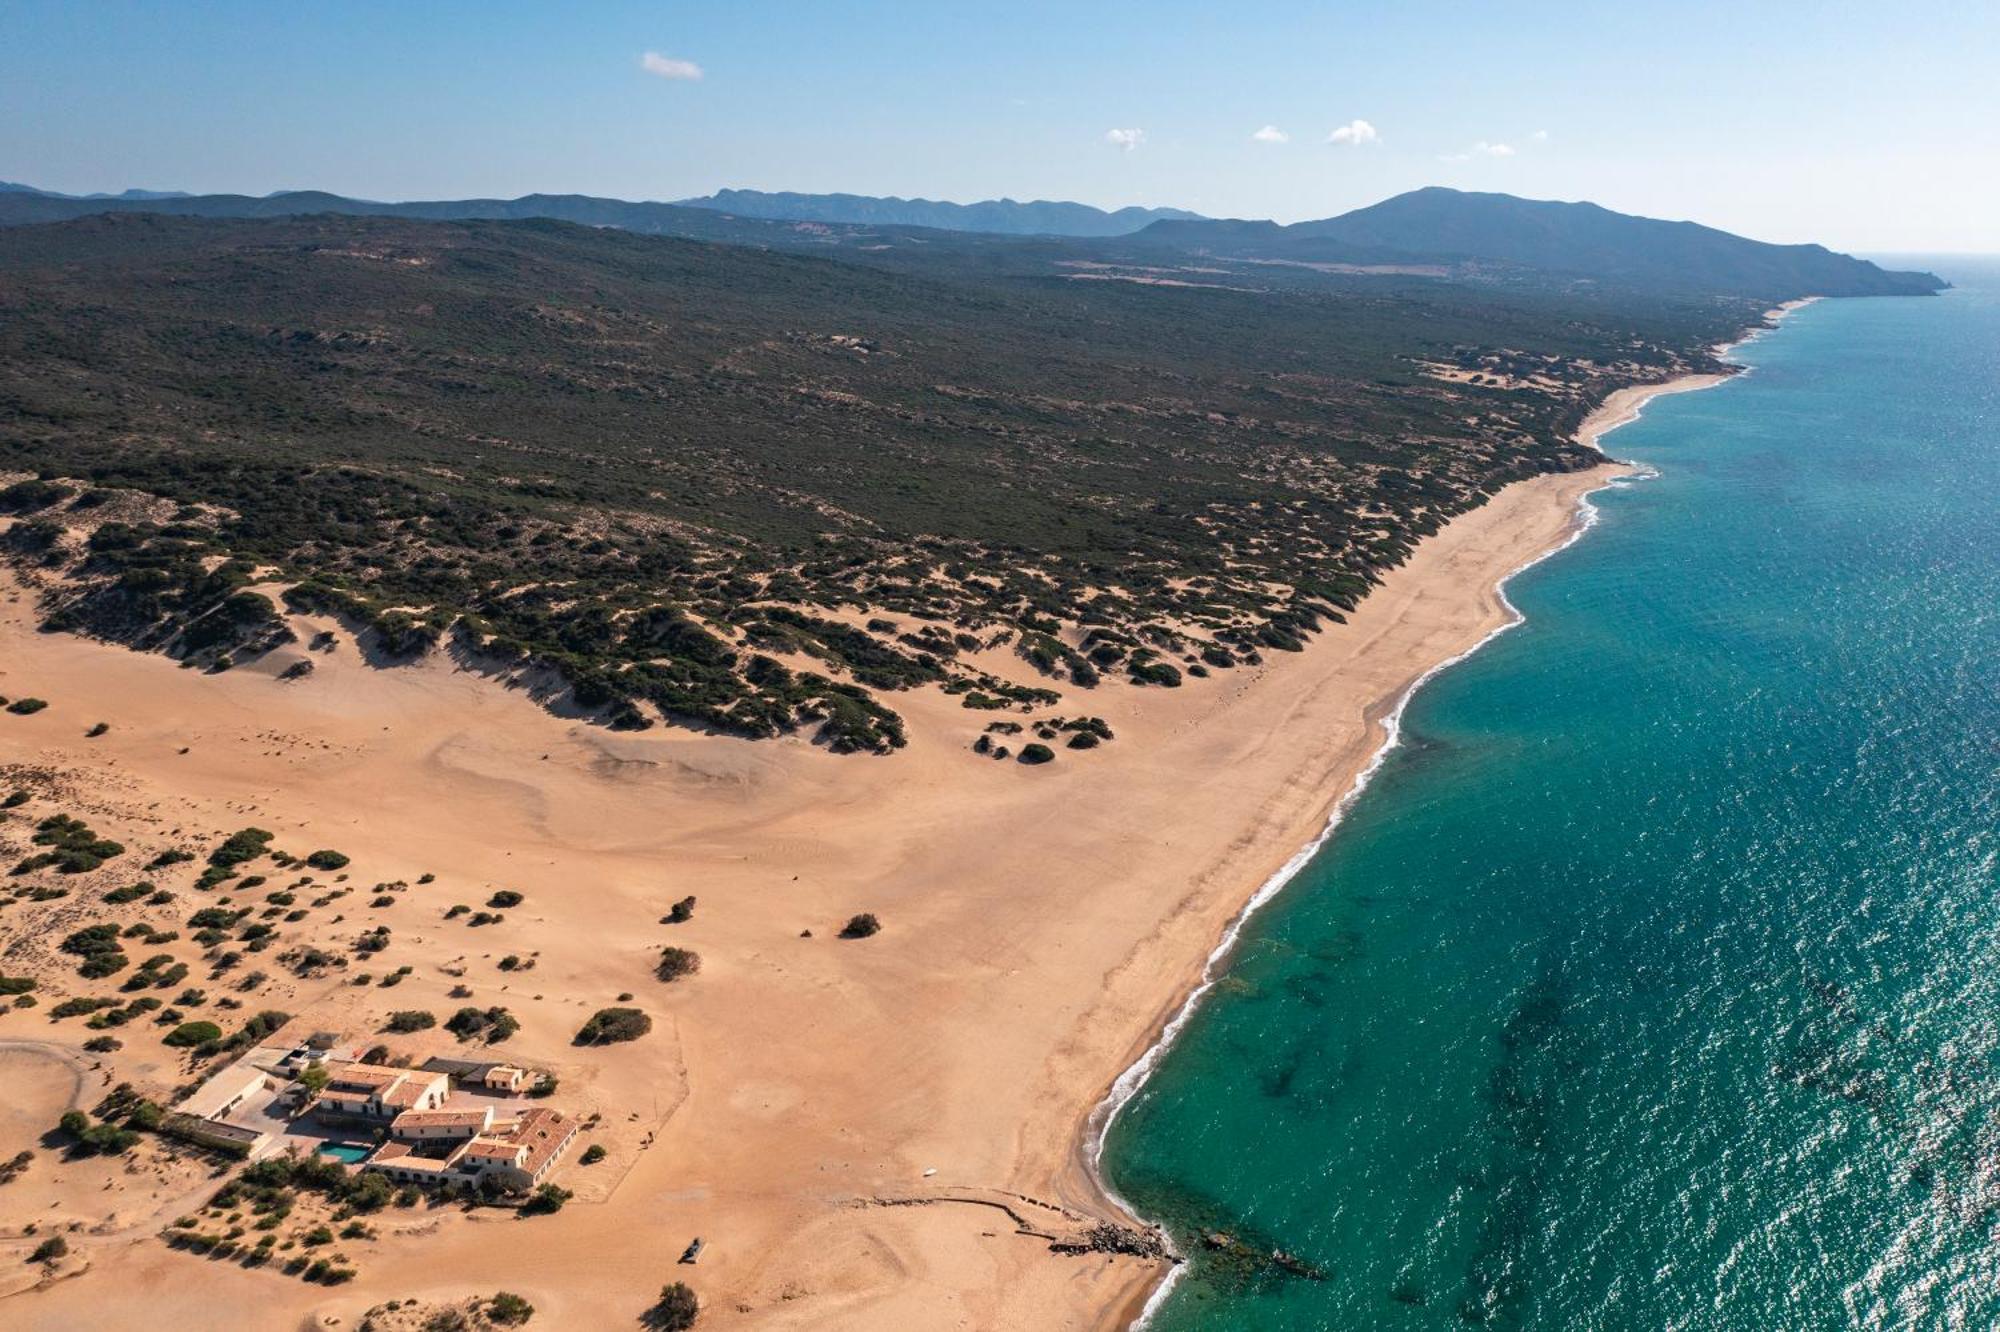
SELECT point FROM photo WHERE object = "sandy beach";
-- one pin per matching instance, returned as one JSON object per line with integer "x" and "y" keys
{"x": 605, "y": 725}
{"x": 882, "y": 1133}
{"x": 1622, "y": 406}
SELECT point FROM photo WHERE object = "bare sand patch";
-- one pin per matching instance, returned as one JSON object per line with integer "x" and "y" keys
{"x": 1038, "y": 926}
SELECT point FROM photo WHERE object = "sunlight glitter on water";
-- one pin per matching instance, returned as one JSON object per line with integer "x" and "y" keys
{"x": 1651, "y": 984}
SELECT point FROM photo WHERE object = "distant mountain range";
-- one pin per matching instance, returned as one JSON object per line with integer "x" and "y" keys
{"x": 1001, "y": 217}
{"x": 637, "y": 447}
{"x": 1448, "y": 233}
{"x": 1574, "y": 238}
{"x": 26, "y": 205}
{"x": 1007, "y": 217}
{"x": 12, "y": 187}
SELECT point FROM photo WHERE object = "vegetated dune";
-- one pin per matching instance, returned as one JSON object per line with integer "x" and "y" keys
{"x": 794, "y": 1097}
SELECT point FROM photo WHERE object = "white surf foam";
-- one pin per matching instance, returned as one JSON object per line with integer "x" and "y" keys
{"x": 1133, "y": 1079}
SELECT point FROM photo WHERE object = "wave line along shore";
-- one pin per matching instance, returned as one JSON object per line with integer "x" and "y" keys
{"x": 1620, "y": 408}
{"x": 1041, "y": 929}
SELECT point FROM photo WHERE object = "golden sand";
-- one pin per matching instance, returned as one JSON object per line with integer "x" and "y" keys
{"x": 1039, "y": 924}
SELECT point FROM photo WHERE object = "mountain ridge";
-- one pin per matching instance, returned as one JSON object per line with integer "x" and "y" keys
{"x": 999, "y": 217}
{"x": 1003, "y": 216}
{"x": 16, "y": 187}
{"x": 1464, "y": 236}
{"x": 1552, "y": 236}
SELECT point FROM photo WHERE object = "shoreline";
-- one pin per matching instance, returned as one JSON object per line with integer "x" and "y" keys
{"x": 1134, "y": 1079}
{"x": 840, "y": 1119}
{"x": 1620, "y": 408}
{"x": 1138, "y": 1313}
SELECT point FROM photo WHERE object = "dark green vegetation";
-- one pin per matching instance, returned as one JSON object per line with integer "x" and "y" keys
{"x": 240, "y": 847}
{"x": 260, "y": 1025}
{"x": 192, "y": 1034}
{"x": 92, "y": 1139}
{"x": 491, "y": 1025}
{"x": 322, "y": 1174}
{"x": 72, "y": 847}
{"x": 676, "y": 963}
{"x": 663, "y": 478}
{"x": 863, "y": 926}
{"x": 608, "y": 1025}
{"x": 98, "y": 946}
{"x": 508, "y": 1309}
{"x": 675, "y": 1310}
{"x": 253, "y": 1208}
{"x": 546, "y": 1200}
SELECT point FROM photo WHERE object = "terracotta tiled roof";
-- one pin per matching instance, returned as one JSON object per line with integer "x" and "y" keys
{"x": 543, "y": 1133}
{"x": 414, "y": 1119}
{"x": 493, "y": 1149}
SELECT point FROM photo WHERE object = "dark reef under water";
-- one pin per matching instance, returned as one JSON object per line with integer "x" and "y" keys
{"x": 1653, "y": 982}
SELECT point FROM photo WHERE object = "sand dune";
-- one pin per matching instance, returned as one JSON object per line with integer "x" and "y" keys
{"x": 1039, "y": 925}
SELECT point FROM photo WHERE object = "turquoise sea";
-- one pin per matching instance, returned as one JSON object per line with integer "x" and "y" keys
{"x": 1654, "y": 983}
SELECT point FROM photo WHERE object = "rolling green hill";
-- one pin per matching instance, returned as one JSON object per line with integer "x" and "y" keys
{"x": 749, "y": 488}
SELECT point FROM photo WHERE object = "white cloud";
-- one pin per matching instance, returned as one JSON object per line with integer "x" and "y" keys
{"x": 1355, "y": 133}
{"x": 1271, "y": 134}
{"x": 1128, "y": 139}
{"x": 1480, "y": 149}
{"x": 1540, "y": 136}
{"x": 667, "y": 67}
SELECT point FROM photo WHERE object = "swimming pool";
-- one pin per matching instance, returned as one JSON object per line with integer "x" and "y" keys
{"x": 353, "y": 1153}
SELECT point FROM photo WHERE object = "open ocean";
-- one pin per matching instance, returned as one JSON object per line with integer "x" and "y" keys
{"x": 1654, "y": 983}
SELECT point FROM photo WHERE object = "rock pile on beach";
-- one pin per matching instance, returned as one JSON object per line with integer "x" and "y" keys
{"x": 1107, "y": 1237}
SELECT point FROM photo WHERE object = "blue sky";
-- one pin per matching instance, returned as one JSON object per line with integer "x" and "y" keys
{"x": 1870, "y": 127}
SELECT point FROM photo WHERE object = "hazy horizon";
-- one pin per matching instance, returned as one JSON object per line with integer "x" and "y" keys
{"x": 1305, "y": 113}
{"x": 1884, "y": 257}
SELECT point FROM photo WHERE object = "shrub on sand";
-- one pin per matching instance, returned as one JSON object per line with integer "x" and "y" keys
{"x": 609, "y": 1025}
{"x": 675, "y": 1311}
{"x": 676, "y": 963}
